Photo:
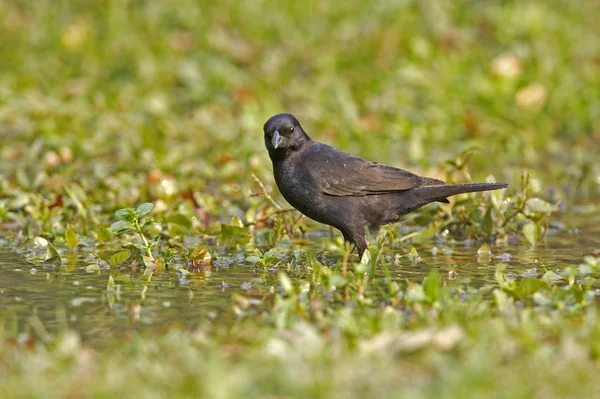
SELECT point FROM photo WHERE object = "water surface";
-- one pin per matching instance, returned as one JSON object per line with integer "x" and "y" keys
{"x": 46, "y": 298}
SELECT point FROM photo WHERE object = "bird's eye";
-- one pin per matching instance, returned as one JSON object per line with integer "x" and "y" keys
{"x": 292, "y": 129}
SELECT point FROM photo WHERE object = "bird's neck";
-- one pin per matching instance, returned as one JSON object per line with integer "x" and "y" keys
{"x": 295, "y": 149}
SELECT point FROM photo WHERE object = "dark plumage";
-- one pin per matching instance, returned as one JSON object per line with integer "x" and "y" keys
{"x": 346, "y": 192}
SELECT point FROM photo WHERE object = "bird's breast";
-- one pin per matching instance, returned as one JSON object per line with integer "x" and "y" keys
{"x": 298, "y": 187}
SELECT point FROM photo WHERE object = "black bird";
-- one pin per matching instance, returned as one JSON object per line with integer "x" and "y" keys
{"x": 346, "y": 192}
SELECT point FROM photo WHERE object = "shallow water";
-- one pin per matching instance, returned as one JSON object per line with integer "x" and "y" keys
{"x": 42, "y": 299}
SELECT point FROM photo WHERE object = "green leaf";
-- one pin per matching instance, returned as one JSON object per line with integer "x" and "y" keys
{"x": 120, "y": 226}
{"x": 252, "y": 259}
{"x": 232, "y": 235}
{"x": 501, "y": 298}
{"x": 180, "y": 220}
{"x": 431, "y": 286}
{"x": 144, "y": 208}
{"x": 286, "y": 283}
{"x": 487, "y": 224}
{"x": 365, "y": 262}
{"x": 184, "y": 272}
{"x": 312, "y": 263}
{"x": 136, "y": 249}
{"x": 200, "y": 253}
{"x": 175, "y": 230}
{"x": 71, "y": 238}
{"x": 585, "y": 269}
{"x": 110, "y": 286}
{"x": 160, "y": 264}
{"x": 539, "y": 205}
{"x": 528, "y": 287}
{"x": 592, "y": 261}
{"x": 77, "y": 200}
{"x": 236, "y": 221}
{"x": 119, "y": 258}
{"x": 337, "y": 280}
{"x": 148, "y": 262}
{"x": 125, "y": 213}
{"x": 504, "y": 283}
{"x": 154, "y": 242}
{"x": 94, "y": 267}
{"x": 40, "y": 242}
{"x": 519, "y": 202}
{"x": 484, "y": 250}
{"x": 551, "y": 277}
{"x": 414, "y": 255}
{"x": 531, "y": 231}
{"x": 52, "y": 254}
{"x": 415, "y": 293}
{"x": 103, "y": 234}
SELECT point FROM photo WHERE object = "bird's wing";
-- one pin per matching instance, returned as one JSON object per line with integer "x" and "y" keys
{"x": 341, "y": 174}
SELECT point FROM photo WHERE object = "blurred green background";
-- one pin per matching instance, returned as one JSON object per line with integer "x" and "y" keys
{"x": 184, "y": 87}
{"x": 108, "y": 104}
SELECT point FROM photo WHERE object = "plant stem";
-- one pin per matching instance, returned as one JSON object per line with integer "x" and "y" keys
{"x": 345, "y": 268}
{"x": 266, "y": 193}
{"x": 141, "y": 233}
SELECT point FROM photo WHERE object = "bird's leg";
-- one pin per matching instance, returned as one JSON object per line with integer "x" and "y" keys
{"x": 359, "y": 241}
{"x": 361, "y": 244}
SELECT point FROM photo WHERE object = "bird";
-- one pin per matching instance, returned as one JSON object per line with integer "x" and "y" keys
{"x": 346, "y": 192}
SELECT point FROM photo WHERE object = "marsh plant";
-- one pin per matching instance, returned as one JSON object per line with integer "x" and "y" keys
{"x": 133, "y": 221}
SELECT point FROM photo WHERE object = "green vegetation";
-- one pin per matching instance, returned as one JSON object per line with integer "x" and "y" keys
{"x": 132, "y": 169}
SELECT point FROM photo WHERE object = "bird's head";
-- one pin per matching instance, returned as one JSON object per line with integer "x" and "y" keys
{"x": 283, "y": 133}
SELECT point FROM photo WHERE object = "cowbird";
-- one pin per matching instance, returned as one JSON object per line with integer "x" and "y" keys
{"x": 346, "y": 192}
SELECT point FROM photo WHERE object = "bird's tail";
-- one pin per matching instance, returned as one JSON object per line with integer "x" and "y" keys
{"x": 439, "y": 193}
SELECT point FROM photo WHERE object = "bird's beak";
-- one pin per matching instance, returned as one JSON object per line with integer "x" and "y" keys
{"x": 277, "y": 139}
